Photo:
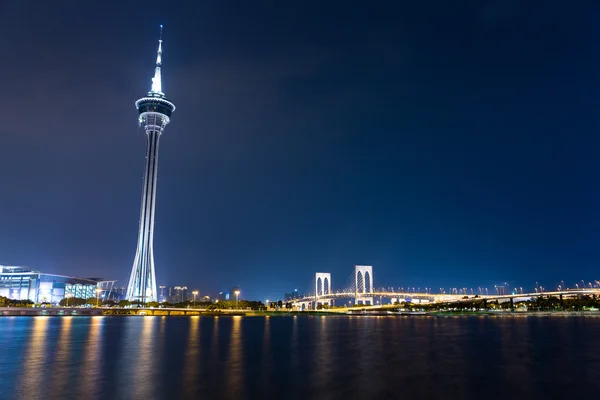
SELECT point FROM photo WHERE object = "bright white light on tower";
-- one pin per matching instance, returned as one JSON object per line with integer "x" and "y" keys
{"x": 156, "y": 82}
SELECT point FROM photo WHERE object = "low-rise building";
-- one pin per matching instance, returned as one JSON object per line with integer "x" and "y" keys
{"x": 22, "y": 283}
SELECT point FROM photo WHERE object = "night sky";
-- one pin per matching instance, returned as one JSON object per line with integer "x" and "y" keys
{"x": 444, "y": 143}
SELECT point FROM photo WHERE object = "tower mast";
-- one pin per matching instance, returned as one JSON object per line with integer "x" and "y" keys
{"x": 154, "y": 113}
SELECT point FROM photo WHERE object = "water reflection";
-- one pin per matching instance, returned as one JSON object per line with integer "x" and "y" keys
{"x": 62, "y": 356}
{"x": 144, "y": 387}
{"x": 514, "y": 352}
{"x": 91, "y": 362}
{"x": 362, "y": 344}
{"x": 322, "y": 371}
{"x": 192, "y": 359}
{"x": 34, "y": 360}
{"x": 297, "y": 357}
{"x": 235, "y": 361}
{"x": 266, "y": 355}
{"x": 214, "y": 339}
{"x": 294, "y": 345}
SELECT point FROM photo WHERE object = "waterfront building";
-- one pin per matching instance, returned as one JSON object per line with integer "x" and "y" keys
{"x": 162, "y": 297}
{"x": 177, "y": 294}
{"x": 22, "y": 283}
{"x": 154, "y": 114}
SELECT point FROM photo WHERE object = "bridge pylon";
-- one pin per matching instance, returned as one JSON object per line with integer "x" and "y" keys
{"x": 363, "y": 284}
{"x": 322, "y": 288}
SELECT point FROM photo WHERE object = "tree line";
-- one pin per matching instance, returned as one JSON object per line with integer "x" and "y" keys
{"x": 223, "y": 305}
{"x": 6, "y": 302}
{"x": 545, "y": 303}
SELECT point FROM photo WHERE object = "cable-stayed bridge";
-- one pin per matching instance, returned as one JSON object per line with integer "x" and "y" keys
{"x": 360, "y": 291}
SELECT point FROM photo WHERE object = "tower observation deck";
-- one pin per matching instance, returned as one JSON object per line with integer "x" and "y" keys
{"x": 154, "y": 114}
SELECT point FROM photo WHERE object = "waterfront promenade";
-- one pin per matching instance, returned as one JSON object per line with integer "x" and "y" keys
{"x": 354, "y": 311}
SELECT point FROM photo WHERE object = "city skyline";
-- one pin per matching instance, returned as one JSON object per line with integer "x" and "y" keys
{"x": 309, "y": 138}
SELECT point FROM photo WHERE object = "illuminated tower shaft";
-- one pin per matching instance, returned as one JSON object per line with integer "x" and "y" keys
{"x": 154, "y": 114}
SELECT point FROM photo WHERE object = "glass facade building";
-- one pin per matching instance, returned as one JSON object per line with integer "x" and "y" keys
{"x": 21, "y": 283}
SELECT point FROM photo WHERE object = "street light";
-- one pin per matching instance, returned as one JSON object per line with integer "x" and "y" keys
{"x": 195, "y": 293}
{"x": 237, "y": 298}
{"x": 67, "y": 296}
{"x": 98, "y": 291}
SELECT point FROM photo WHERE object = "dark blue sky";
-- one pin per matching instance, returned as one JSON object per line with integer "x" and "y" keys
{"x": 445, "y": 143}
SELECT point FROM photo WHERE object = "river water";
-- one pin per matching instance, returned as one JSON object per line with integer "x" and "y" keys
{"x": 302, "y": 357}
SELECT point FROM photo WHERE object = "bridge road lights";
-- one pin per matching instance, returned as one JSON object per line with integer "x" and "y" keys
{"x": 237, "y": 298}
{"x": 195, "y": 293}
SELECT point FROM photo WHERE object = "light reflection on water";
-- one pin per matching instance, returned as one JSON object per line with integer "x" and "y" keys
{"x": 235, "y": 368}
{"x": 143, "y": 364}
{"x": 214, "y": 345}
{"x": 297, "y": 357}
{"x": 266, "y": 361}
{"x": 33, "y": 365}
{"x": 62, "y": 358}
{"x": 191, "y": 367}
{"x": 91, "y": 362}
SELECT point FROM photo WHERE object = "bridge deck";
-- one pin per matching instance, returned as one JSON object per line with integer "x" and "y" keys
{"x": 442, "y": 298}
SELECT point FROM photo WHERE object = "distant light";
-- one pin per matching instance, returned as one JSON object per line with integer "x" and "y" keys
{"x": 161, "y": 25}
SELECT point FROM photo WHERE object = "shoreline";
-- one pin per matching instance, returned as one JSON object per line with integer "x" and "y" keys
{"x": 108, "y": 312}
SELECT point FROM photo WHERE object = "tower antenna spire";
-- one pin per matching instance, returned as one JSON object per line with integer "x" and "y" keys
{"x": 157, "y": 81}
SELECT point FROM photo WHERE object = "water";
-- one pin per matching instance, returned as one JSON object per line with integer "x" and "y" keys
{"x": 304, "y": 357}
